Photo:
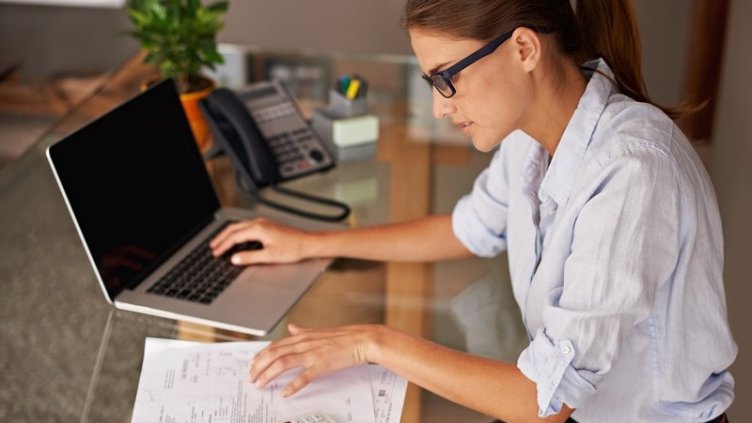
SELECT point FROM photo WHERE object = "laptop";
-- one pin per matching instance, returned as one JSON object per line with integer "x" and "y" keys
{"x": 145, "y": 209}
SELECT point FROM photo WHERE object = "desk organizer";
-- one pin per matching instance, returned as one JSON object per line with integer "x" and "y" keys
{"x": 346, "y": 128}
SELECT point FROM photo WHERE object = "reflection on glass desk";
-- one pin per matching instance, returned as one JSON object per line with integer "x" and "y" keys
{"x": 68, "y": 356}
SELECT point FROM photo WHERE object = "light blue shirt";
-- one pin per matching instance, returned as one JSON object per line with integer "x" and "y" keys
{"x": 616, "y": 259}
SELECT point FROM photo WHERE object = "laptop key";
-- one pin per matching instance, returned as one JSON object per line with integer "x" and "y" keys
{"x": 199, "y": 277}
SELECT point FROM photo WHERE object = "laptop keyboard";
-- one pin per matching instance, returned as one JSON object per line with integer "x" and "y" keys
{"x": 199, "y": 277}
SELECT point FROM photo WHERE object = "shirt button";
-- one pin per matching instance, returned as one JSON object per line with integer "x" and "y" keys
{"x": 565, "y": 349}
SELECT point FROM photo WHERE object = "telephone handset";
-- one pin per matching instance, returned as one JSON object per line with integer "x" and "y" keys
{"x": 262, "y": 131}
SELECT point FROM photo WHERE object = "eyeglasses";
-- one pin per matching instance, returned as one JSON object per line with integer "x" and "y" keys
{"x": 442, "y": 81}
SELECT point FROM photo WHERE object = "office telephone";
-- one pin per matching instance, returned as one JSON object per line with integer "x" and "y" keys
{"x": 268, "y": 141}
{"x": 264, "y": 133}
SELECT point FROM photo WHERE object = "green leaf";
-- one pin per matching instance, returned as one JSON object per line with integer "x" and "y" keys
{"x": 178, "y": 35}
{"x": 213, "y": 56}
{"x": 192, "y": 6}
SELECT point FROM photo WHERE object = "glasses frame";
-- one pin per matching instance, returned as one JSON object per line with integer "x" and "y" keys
{"x": 445, "y": 77}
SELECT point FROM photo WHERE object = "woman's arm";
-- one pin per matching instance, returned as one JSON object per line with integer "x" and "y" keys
{"x": 427, "y": 239}
{"x": 492, "y": 387}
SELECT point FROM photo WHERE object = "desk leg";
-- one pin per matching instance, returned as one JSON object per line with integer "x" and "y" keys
{"x": 188, "y": 331}
{"x": 194, "y": 332}
{"x": 408, "y": 285}
{"x": 408, "y": 308}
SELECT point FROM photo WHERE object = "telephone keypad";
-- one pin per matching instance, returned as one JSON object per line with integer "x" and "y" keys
{"x": 293, "y": 149}
{"x": 290, "y": 138}
{"x": 276, "y": 111}
{"x": 286, "y": 150}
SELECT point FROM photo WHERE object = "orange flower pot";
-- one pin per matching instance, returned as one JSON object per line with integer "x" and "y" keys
{"x": 196, "y": 118}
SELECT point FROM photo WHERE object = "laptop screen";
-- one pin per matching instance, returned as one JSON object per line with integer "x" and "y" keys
{"x": 136, "y": 185}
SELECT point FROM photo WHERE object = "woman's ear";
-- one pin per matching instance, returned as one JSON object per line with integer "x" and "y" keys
{"x": 527, "y": 48}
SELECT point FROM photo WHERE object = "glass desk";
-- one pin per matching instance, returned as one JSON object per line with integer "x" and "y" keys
{"x": 66, "y": 355}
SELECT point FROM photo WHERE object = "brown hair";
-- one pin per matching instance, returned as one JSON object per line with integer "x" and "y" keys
{"x": 599, "y": 28}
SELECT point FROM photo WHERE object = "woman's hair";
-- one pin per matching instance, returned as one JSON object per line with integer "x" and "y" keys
{"x": 597, "y": 28}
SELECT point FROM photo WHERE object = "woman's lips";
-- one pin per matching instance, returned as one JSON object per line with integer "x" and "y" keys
{"x": 465, "y": 126}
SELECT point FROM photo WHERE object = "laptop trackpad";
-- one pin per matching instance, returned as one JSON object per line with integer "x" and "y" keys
{"x": 277, "y": 280}
{"x": 264, "y": 293}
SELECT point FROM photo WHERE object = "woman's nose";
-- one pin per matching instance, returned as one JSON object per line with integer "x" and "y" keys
{"x": 442, "y": 106}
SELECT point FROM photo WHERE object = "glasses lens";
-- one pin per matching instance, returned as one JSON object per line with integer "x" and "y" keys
{"x": 442, "y": 85}
{"x": 428, "y": 81}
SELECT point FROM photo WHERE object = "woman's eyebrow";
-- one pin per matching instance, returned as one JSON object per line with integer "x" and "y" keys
{"x": 437, "y": 67}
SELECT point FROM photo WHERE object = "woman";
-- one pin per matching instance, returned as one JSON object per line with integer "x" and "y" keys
{"x": 609, "y": 219}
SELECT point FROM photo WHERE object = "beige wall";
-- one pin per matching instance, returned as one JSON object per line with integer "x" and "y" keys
{"x": 371, "y": 26}
{"x": 89, "y": 39}
{"x": 732, "y": 177}
{"x": 374, "y": 27}
{"x": 48, "y": 40}
{"x": 664, "y": 26}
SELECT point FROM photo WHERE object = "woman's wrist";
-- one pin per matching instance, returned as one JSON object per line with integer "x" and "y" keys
{"x": 312, "y": 245}
{"x": 376, "y": 343}
{"x": 319, "y": 244}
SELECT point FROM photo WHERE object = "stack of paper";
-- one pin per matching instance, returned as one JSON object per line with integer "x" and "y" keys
{"x": 187, "y": 382}
{"x": 348, "y": 138}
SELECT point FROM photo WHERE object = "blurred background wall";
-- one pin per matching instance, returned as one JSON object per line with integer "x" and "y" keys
{"x": 732, "y": 176}
{"x": 49, "y": 40}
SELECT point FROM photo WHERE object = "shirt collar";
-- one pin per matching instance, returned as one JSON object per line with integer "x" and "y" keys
{"x": 559, "y": 178}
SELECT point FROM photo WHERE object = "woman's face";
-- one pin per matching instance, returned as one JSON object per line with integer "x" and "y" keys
{"x": 492, "y": 94}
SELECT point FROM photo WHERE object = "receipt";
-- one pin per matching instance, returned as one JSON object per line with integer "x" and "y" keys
{"x": 185, "y": 382}
{"x": 388, "y": 390}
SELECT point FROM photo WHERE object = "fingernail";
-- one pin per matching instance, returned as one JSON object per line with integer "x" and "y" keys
{"x": 235, "y": 260}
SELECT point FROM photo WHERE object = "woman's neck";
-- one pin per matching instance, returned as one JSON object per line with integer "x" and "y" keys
{"x": 558, "y": 91}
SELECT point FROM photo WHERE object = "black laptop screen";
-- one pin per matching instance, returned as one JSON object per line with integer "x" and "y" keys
{"x": 136, "y": 185}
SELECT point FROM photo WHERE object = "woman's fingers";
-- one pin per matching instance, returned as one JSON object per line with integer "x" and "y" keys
{"x": 279, "y": 366}
{"x": 281, "y": 244}
{"x": 317, "y": 352}
{"x": 299, "y": 383}
{"x": 295, "y": 329}
{"x": 280, "y": 356}
{"x": 274, "y": 360}
{"x": 233, "y": 234}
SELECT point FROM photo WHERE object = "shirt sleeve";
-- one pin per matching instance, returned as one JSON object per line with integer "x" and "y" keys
{"x": 625, "y": 245}
{"x": 479, "y": 218}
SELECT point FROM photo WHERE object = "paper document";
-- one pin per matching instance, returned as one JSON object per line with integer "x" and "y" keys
{"x": 388, "y": 394}
{"x": 187, "y": 382}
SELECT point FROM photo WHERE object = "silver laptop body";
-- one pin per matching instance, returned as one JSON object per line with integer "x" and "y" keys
{"x": 141, "y": 200}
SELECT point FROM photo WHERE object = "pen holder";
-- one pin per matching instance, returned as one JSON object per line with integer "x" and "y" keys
{"x": 342, "y": 107}
{"x": 346, "y": 128}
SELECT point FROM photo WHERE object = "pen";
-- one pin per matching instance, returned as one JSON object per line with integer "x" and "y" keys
{"x": 344, "y": 83}
{"x": 352, "y": 90}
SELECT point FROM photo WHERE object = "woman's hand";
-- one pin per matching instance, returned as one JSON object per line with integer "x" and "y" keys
{"x": 316, "y": 351}
{"x": 280, "y": 244}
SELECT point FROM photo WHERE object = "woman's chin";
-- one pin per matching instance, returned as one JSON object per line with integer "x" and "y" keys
{"x": 483, "y": 144}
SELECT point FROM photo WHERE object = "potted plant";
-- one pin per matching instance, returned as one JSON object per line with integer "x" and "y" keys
{"x": 179, "y": 37}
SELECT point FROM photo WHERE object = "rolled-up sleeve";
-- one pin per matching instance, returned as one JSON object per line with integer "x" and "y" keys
{"x": 479, "y": 219}
{"x": 624, "y": 245}
{"x": 549, "y": 365}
